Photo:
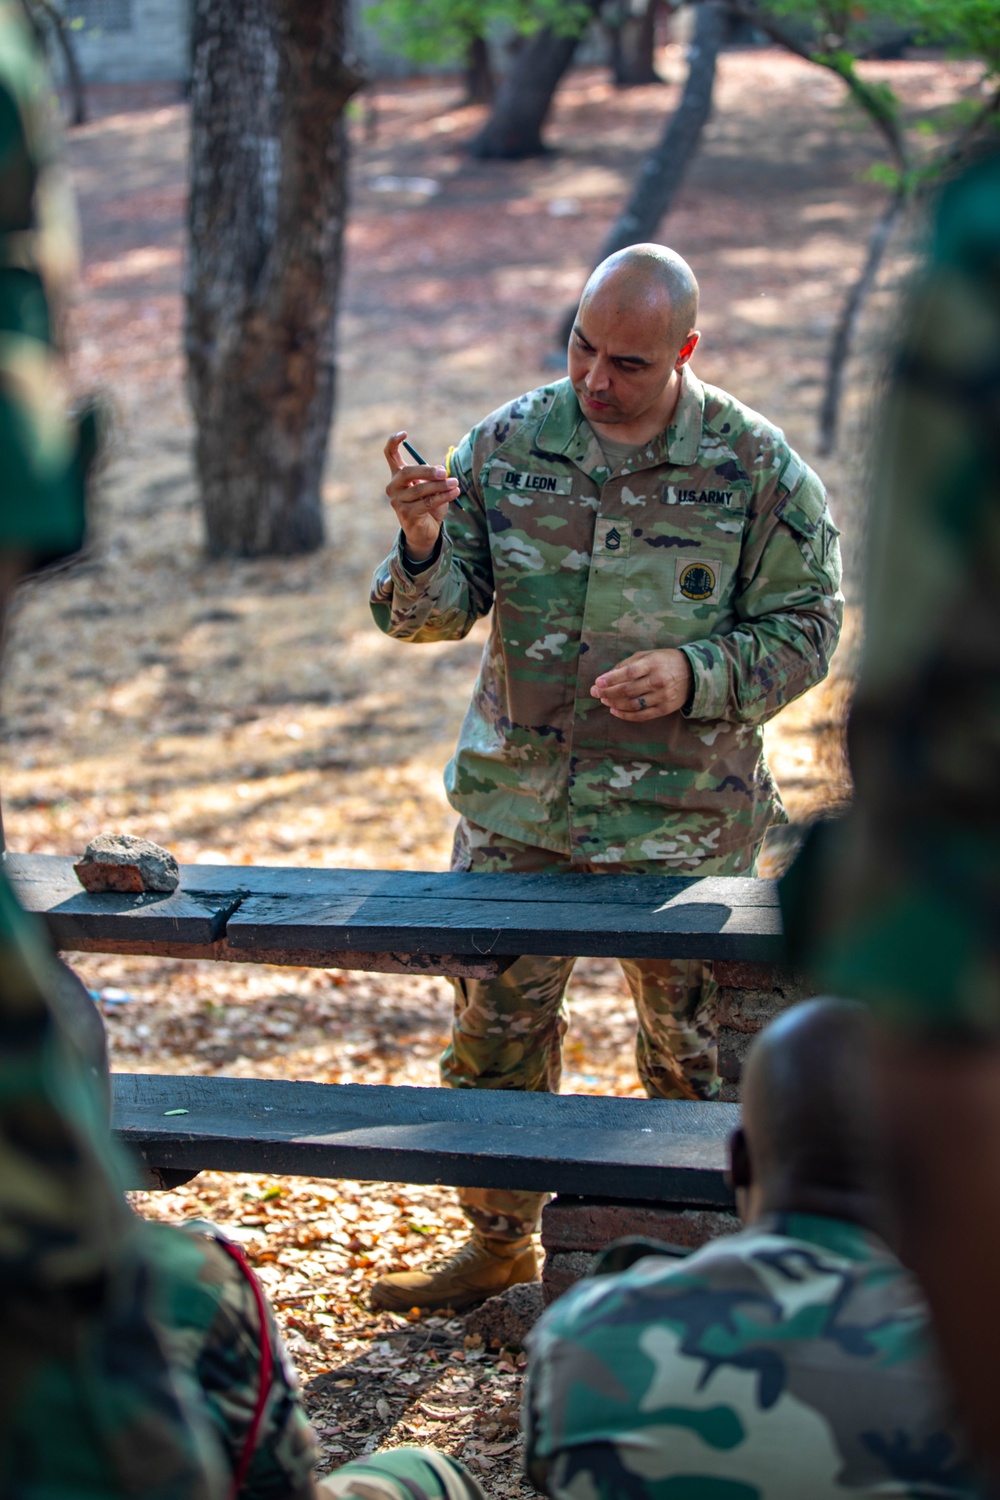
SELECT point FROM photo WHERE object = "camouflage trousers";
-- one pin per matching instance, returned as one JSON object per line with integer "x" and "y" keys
{"x": 507, "y": 1032}
{"x": 401, "y": 1474}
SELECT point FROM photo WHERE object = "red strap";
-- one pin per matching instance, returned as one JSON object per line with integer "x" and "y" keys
{"x": 266, "y": 1365}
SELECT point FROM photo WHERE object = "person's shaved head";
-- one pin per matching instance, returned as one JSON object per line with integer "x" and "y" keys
{"x": 650, "y": 277}
{"x": 632, "y": 336}
{"x": 808, "y": 1115}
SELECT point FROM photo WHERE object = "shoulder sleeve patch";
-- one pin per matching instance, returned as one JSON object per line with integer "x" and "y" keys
{"x": 791, "y": 475}
{"x": 459, "y": 461}
{"x": 803, "y": 499}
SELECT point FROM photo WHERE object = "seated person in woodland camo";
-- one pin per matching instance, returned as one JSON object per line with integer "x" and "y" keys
{"x": 791, "y": 1359}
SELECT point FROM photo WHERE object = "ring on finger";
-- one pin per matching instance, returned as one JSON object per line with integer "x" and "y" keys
{"x": 642, "y": 703}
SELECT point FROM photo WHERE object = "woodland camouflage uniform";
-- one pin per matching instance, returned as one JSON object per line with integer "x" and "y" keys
{"x": 210, "y": 1321}
{"x": 714, "y": 538}
{"x": 785, "y": 1362}
{"x": 88, "y": 1403}
{"x": 402, "y": 1474}
{"x": 897, "y": 905}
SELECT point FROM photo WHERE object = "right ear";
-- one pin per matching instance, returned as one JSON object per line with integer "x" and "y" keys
{"x": 740, "y": 1172}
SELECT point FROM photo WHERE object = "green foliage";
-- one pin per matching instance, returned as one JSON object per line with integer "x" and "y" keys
{"x": 834, "y": 34}
{"x": 885, "y": 175}
{"x": 429, "y": 31}
{"x": 968, "y": 26}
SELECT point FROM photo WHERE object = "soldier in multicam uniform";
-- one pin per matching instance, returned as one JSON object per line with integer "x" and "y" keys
{"x": 898, "y": 904}
{"x": 789, "y": 1360}
{"x": 664, "y": 577}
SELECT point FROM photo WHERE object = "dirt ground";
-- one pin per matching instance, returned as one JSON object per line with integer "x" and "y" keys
{"x": 250, "y": 712}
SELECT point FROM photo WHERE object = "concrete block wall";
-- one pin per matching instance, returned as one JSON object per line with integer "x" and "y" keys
{"x": 154, "y": 44}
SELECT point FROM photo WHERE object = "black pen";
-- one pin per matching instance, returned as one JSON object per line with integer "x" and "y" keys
{"x": 417, "y": 459}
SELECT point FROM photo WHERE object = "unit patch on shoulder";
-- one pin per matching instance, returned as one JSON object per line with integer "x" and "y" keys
{"x": 673, "y": 496}
{"x": 504, "y": 478}
{"x": 698, "y": 581}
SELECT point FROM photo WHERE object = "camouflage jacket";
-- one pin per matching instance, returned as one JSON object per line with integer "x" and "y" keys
{"x": 897, "y": 905}
{"x": 88, "y": 1401}
{"x": 89, "y": 1404}
{"x": 714, "y": 538}
{"x": 786, "y": 1361}
{"x": 208, "y": 1317}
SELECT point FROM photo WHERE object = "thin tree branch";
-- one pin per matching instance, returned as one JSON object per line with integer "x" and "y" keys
{"x": 74, "y": 77}
{"x": 979, "y": 121}
{"x": 864, "y": 97}
{"x": 850, "y": 314}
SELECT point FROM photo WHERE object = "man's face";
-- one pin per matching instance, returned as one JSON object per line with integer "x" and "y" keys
{"x": 625, "y": 358}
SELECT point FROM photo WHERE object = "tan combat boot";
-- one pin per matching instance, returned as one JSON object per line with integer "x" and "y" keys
{"x": 480, "y": 1269}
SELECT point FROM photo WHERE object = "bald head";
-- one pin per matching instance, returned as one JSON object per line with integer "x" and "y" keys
{"x": 808, "y": 1117}
{"x": 653, "y": 279}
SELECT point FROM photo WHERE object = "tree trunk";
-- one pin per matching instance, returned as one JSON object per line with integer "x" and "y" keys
{"x": 514, "y": 128}
{"x": 850, "y": 314}
{"x": 266, "y": 221}
{"x": 633, "y": 43}
{"x": 666, "y": 166}
{"x": 479, "y": 82}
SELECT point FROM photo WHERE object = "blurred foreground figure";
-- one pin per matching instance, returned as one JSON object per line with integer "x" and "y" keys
{"x": 788, "y": 1360}
{"x": 136, "y": 1360}
{"x": 900, "y": 905}
{"x": 89, "y": 1404}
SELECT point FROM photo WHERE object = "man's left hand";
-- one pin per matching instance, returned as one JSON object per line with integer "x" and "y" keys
{"x": 648, "y": 685}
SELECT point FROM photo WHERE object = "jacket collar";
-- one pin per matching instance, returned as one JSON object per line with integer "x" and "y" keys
{"x": 565, "y": 430}
{"x": 839, "y": 1236}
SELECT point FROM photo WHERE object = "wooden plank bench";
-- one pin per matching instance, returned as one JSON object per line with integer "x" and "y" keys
{"x": 416, "y": 922}
{"x": 660, "y": 1149}
{"x": 409, "y": 921}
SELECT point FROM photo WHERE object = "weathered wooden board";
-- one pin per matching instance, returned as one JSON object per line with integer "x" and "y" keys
{"x": 48, "y": 885}
{"x": 409, "y": 921}
{"x": 56, "y": 873}
{"x": 666, "y": 1150}
{"x": 699, "y": 924}
{"x": 447, "y": 965}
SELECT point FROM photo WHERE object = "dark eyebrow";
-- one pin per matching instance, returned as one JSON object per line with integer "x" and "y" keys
{"x": 629, "y": 359}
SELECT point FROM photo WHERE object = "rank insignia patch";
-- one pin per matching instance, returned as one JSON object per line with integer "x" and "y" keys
{"x": 698, "y": 581}
{"x": 612, "y": 538}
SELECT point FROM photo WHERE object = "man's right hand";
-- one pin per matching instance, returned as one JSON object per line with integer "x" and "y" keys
{"x": 420, "y": 495}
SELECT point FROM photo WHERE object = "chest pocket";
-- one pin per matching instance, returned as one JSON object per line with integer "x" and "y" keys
{"x": 684, "y": 562}
{"x": 539, "y": 525}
